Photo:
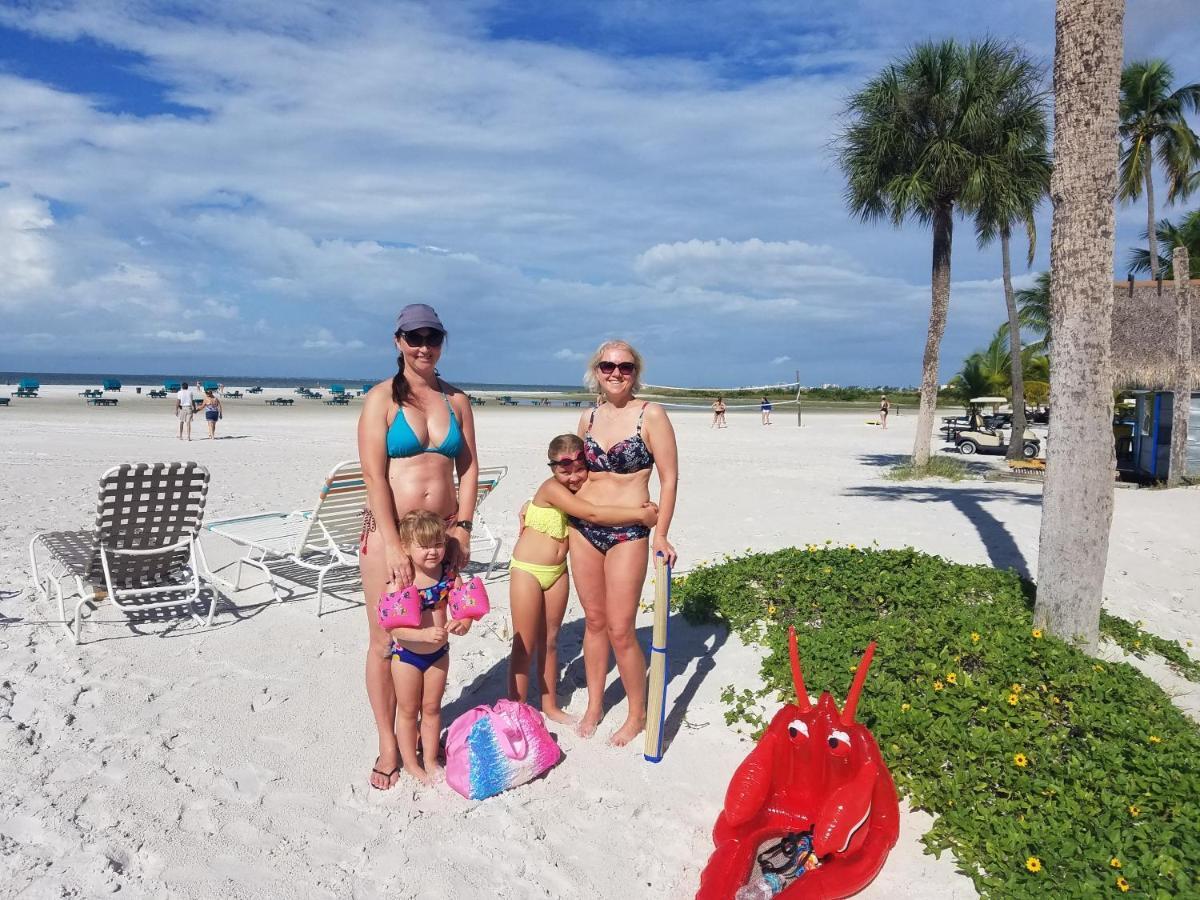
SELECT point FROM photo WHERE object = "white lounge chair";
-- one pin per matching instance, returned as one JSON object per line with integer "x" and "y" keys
{"x": 319, "y": 540}
{"x": 483, "y": 539}
{"x": 144, "y": 545}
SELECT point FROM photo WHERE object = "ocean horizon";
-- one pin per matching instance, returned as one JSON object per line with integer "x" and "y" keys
{"x": 242, "y": 381}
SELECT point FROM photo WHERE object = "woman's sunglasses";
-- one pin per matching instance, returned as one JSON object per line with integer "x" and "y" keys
{"x": 568, "y": 463}
{"x": 426, "y": 338}
{"x": 625, "y": 368}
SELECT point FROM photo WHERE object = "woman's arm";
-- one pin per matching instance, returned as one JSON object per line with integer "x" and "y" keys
{"x": 467, "y": 466}
{"x": 431, "y": 634}
{"x": 661, "y": 435}
{"x": 559, "y": 497}
{"x": 372, "y": 456}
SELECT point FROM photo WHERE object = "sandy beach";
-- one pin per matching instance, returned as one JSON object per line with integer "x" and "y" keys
{"x": 161, "y": 759}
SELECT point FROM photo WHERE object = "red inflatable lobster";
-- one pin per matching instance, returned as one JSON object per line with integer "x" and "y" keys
{"x": 815, "y": 777}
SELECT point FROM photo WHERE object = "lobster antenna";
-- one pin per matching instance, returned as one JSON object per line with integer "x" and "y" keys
{"x": 797, "y": 678}
{"x": 856, "y": 686}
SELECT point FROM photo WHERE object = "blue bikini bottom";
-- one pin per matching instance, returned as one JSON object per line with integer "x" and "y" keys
{"x": 419, "y": 661}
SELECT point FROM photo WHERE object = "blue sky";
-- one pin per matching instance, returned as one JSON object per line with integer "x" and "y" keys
{"x": 258, "y": 187}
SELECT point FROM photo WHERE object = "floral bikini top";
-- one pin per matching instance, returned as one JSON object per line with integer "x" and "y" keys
{"x": 622, "y": 458}
{"x": 436, "y": 594}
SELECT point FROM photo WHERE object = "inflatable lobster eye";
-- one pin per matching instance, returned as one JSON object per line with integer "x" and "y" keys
{"x": 796, "y": 728}
{"x": 839, "y": 743}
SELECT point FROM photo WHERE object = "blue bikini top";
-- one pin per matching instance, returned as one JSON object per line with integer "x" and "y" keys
{"x": 402, "y": 440}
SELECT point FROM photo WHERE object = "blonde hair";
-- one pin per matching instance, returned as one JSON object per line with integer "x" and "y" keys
{"x": 592, "y": 383}
{"x": 421, "y": 528}
{"x": 569, "y": 443}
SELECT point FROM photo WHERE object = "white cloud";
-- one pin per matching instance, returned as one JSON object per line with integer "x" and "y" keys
{"x": 780, "y": 360}
{"x": 180, "y": 337}
{"x": 26, "y": 252}
{"x": 569, "y": 354}
{"x": 325, "y": 340}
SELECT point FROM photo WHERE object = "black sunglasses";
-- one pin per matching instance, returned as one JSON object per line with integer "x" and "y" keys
{"x": 426, "y": 338}
{"x": 625, "y": 368}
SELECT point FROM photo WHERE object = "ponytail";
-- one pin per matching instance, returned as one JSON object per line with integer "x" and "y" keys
{"x": 400, "y": 388}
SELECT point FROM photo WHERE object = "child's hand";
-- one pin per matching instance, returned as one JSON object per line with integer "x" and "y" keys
{"x": 649, "y": 514}
{"x": 436, "y": 634}
{"x": 459, "y": 626}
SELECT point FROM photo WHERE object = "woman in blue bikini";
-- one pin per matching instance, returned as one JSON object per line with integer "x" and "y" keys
{"x": 414, "y": 434}
{"x": 609, "y": 562}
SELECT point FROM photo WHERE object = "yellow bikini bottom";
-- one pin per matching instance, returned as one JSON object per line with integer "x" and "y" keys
{"x": 545, "y": 575}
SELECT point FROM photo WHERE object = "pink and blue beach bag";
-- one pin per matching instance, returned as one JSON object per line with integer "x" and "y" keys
{"x": 490, "y": 749}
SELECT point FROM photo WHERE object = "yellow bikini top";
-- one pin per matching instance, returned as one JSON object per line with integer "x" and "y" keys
{"x": 547, "y": 520}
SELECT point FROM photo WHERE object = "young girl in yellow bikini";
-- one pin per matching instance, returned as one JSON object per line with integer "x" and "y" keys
{"x": 538, "y": 586}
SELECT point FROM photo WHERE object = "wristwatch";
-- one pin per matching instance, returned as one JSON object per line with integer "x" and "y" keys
{"x": 464, "y": 524}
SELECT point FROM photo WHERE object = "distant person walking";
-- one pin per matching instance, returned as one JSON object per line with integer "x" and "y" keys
{"x": 884, "y": 408}
{"x": 213, "y": 412}
{"x": 765, "y": 407}
{"x": 718, "y": 409}
{"x": 185, "y": 408}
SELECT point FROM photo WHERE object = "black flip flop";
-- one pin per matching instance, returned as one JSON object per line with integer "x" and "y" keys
{"x": 387, "y": 775}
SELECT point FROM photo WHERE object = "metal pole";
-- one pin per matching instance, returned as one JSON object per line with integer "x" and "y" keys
{"x": 799, "y": 420}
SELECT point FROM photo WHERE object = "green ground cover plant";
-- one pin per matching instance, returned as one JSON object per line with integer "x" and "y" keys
{"x": 940, "y": 466}
{"x": 1052, "y": 774}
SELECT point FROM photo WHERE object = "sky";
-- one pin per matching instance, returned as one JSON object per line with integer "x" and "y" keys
{"x": 258, "y": 186}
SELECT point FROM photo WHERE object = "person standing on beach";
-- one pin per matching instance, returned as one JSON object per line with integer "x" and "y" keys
{"x": 212, "y": 413}
{"x": 609, "y": 562}
{"x": 414, "y": 434}
{"x": 884, "y": 408}
{"x": 185, "y": 408}
{"x": 718, "y": 409}
{"x": 765, "y": 408}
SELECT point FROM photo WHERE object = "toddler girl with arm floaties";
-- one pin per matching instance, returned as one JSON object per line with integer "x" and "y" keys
{"x": 538, "y": 583}
{"x": 420, "y": 653}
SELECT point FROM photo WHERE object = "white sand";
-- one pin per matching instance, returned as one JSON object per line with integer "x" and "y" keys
{"x": 163, "y": 760}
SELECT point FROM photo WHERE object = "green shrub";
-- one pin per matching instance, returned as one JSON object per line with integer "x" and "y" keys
{"x": 1032, "y": 755}
{"x": 939, "y": 466}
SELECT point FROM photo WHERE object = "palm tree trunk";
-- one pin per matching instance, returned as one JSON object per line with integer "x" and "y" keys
{"x": 943, "y": 236}
{"x": 1183, "y": 369}
{"x": 1016, "y": 443}
{"x": 1078, "y": 497}
{"x": 1152, "y": 236}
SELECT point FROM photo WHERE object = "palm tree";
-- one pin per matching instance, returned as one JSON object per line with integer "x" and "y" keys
{"x": 1077, "y": 499}
{"x": 987, "y": 371}
{"x": 1033, "y": 309}
{"x": 1153, "y": 126}
{"x": 1015, "y": 188}
{"x": 1185, "y": 234}
{"x": 921, "y": 141}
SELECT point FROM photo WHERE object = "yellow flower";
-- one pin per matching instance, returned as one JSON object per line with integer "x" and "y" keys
{"x": 1115, "y": 863}
{"x": 1016, "y": 689}
{"x": 771, "y": 610}
{"x": 974, "y": 637}
{"x": 1037, "y": 632}
{"x": 852, "y": 547}
{"x": 952, "y": 677}
{"x": 1055, "y": 700}
{"x": 1134, "y": 811}
{"x": 1020, "y": 760}
{"x": 1122, "y": 884}
{"x": 1189, "y": 643}
{"x": 1097, "y": 668}
{"x": 1033, "y": 864}
{"x": 1013, "y": 699}
{"x": 1137, "y": 644}
{"x": 937, "y": 685}
{"x": 1155, "y": 739}
{"x": 905, "y": 707}
{"x": 828, "y": 570}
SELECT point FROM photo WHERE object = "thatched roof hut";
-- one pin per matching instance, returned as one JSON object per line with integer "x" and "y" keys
{"x": 1143, "y": 334}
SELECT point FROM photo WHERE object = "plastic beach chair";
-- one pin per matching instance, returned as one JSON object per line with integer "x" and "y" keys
{"x": 319, "y": 540}
{"x": 143, "y": 552}
{"x": 483, "y": 540}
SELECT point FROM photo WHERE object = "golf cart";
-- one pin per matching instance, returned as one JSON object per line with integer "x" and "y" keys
{"x": 986, "y": 434}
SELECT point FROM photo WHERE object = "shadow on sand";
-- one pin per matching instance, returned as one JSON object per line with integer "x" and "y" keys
{"x": 1001, "y": 547}
{"x": 687, "y": 643}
